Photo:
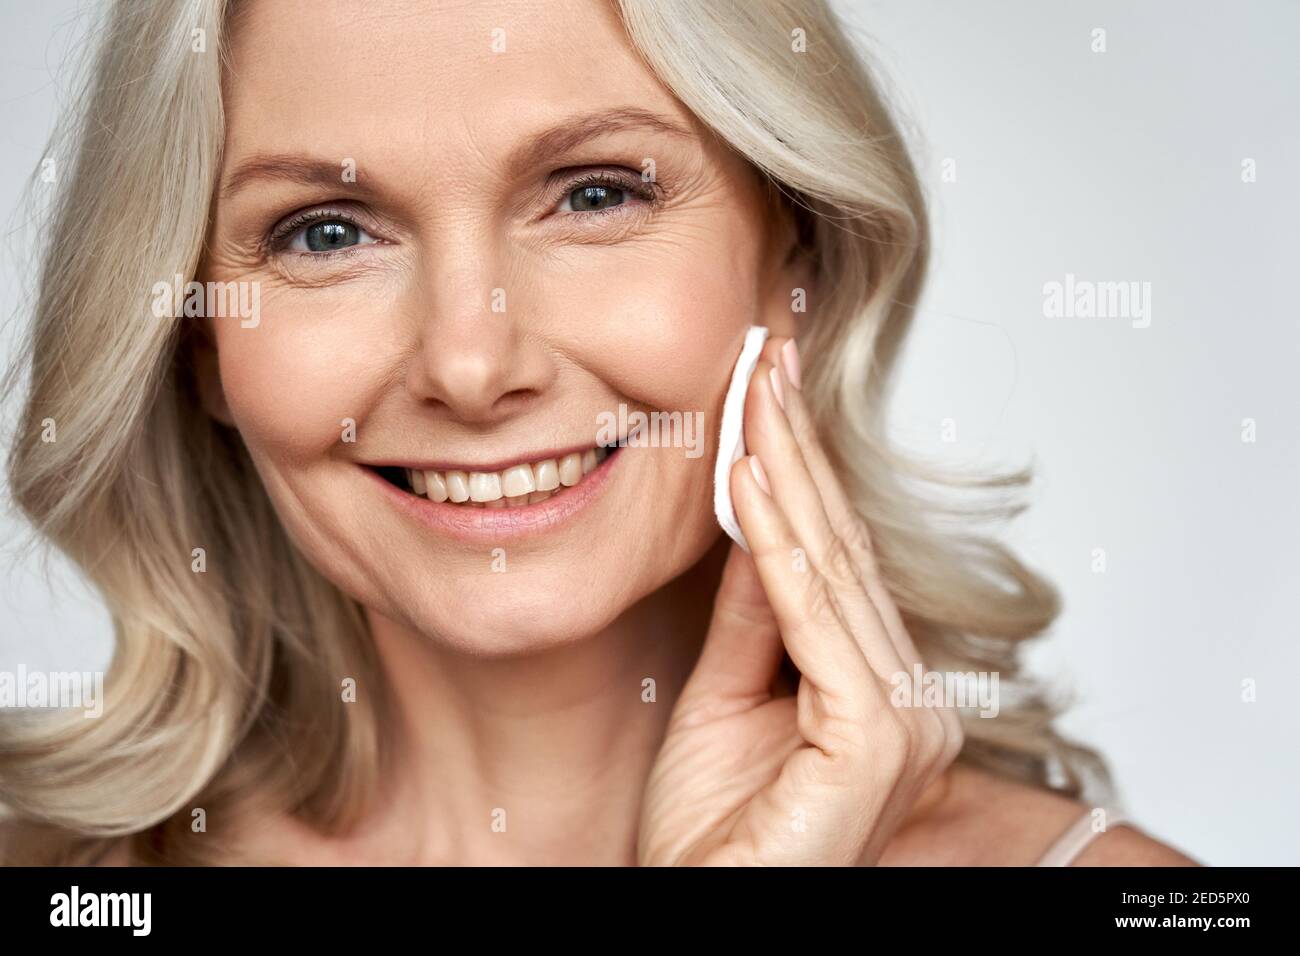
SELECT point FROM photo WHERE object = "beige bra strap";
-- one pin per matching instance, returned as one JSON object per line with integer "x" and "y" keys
{"x": 1071, "y": 843}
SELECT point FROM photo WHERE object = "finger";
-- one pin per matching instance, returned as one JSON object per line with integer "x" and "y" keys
{"x": 843, "y": 516}
{"x": 769, "y": 436}
{"x": 840, "y": 512}
{"x": 808, "y": 617}
{"x": 768, "y": 432}
{"x": 742, "y": 652}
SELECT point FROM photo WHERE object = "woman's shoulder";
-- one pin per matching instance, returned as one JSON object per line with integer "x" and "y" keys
{"x": 987, "y": 819}
{"x": 24, "y": 843}
{"x": 117, "y": 854}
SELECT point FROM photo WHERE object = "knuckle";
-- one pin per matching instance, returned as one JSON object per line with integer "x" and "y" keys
{"x": 953, "y": 746}
{"x": 839, "y": 563}
{"x": 855, "y": 535}
{"x": 956, "y": 740}
{"x": 740, "y": 613}
{"x": 821, "y": 603}
{"x": 846, "y": 737}
{"x": 896, "y": 737}
{"x": 935, "y": 736}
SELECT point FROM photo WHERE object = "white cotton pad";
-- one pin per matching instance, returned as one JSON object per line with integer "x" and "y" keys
{"x": 731, "y": 436}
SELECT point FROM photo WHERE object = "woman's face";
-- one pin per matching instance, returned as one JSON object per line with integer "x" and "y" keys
{"x": 476, "y": 230}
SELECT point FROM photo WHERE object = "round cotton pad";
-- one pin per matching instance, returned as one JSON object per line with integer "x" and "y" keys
{"x": 731, "y": 436}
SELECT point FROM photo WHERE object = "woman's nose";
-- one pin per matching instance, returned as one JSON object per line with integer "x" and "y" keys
{"x": 476, "y": 353}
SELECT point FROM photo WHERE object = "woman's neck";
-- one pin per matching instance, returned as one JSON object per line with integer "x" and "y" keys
{"x": 539, "y": 759}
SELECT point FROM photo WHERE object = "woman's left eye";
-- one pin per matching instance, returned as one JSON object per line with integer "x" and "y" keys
{"x": 593, "y": 197}
{"x": 603, "y": 192}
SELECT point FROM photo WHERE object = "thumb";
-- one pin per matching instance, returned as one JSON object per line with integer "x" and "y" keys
{"x": 743, "y": 651}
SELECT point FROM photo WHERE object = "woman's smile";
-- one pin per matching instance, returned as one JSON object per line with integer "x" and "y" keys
{"x": 497, "y": 502}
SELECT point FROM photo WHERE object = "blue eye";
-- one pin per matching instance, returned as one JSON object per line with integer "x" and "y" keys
{"x": 593, "y": 198}
{"x": 328, "y": 236}
{"x": 314, "y": 233}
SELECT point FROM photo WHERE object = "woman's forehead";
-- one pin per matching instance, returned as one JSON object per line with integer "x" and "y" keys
{"x": 334, "y": 70}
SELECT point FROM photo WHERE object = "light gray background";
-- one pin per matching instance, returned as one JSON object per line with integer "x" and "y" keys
{"x": 1115, "y": 166}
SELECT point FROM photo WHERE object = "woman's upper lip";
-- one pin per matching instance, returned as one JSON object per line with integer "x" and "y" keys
{"x": 501, "y": 464}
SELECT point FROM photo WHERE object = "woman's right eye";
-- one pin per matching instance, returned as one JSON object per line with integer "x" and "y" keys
{"x": 327, "y": 235}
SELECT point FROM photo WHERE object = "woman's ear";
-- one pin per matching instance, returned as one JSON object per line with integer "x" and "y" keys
{"x": 789, "y": 271}
{"x": 207, "y": 375}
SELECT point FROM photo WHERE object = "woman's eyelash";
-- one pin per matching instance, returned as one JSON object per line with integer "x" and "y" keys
{"x": 284, "y": 232}
{"x": 639, "y": 187}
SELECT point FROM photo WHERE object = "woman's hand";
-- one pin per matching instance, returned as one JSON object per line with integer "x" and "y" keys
{"x": 827, "y": 776}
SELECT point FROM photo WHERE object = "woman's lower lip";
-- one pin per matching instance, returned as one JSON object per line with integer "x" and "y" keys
{"x": 465, "y": 523}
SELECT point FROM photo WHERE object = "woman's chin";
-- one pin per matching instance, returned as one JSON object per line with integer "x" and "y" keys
{"x": 509, "y": 618}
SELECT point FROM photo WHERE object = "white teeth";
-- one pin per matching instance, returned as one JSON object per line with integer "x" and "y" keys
{"x": 458, "y": 486}
{"x": 547, "y": 474}
{"x": 517, "y": 481}
{"x": 570, "y": 470}
{"x": 437, "y": 487}
{"x": 484, "y": 486}
{"x": 515, "y": 487}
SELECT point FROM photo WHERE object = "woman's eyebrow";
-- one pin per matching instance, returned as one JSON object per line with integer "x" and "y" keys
{"x": 286, "y": 167}
{"x": 574, "y": 131}
{"x": 557, "y": 139}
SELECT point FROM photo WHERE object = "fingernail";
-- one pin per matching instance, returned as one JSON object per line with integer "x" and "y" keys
{"x": 776, "y": 386}
{"x": 790, "y": 359}
{"x": 760, "y": 475}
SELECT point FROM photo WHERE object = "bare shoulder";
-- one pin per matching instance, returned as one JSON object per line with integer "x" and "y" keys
{"x": 23, "y": 843}
{"x": 1126, "y": 846}
{"x": 986, "y": 819}
{"x": 119, "y": 854}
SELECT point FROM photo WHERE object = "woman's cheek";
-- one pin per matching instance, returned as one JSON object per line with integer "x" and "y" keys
{"x": 294, "y": 382}
{"x": 667, "y": 333}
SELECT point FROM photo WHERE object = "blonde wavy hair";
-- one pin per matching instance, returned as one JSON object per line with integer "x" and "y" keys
{"x": 215, "y": 695}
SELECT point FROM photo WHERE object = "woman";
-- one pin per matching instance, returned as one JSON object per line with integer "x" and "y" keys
{"x": 382, "y": 594}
